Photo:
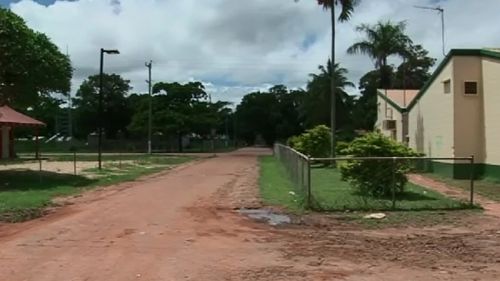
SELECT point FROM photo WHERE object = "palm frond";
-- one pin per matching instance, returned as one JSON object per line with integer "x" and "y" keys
{"x": 363, "y": 47}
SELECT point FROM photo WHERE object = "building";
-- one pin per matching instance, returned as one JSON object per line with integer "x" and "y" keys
{"x": 392, "y": 117}
{"x": 456, "y": 113}
{"x": 10, "y": 119}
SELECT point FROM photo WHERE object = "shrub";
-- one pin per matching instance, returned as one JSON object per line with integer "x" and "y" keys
{"x": 341, "y": 147}
{"x": 314, "y": 142}
{"x": 295, "y": 142}
{"x": 375, "y": 177}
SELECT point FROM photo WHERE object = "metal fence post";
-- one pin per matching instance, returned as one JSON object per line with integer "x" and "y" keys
{"x": 40, "y": 168}
{"x": 74, "y": 162}
{"x": 393, "y": 189}
{"x": 309, "y": 184}
{"x": 302, "y": 174}
{"x": 472, "y": 174}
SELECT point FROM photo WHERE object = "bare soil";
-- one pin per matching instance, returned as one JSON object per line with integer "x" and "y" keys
{"x": 182, "y": 225}
{"x": 63, "y": 167}
{"x": 491, "y": 207}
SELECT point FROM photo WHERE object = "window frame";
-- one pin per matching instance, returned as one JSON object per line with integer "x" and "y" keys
{"x": 477, "y": 88}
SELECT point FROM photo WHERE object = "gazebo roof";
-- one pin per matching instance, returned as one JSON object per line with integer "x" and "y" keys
{"x": 11, "y": 117}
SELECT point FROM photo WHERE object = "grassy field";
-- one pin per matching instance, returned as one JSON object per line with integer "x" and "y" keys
{"x": 330, "y": 193}
{"x": 276, "y": 188}
{"x": 489, "y": 188}
{"x": 24, "y": 194}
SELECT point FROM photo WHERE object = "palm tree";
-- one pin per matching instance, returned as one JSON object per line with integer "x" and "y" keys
{"x": 383, "y": 40}
{"x": 316, "y": 106}
{"x": 346, "y": 10}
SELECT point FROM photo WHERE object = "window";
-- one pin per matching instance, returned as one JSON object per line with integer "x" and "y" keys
{"x": 470, "y": 87}
{"x": 447, "y": 86}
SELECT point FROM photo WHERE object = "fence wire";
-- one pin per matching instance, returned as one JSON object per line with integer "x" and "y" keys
{"x": 378, "y": 183}
{"x": 298, "y": 168}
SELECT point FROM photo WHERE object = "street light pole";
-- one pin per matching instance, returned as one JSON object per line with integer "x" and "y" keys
{"x": 99, "y": 110}
{"x": 149, "y": 66}
{"x": 99, "y": 113}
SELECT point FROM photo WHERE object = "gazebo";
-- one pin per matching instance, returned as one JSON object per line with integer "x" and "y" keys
{"x": 9, "y": 119}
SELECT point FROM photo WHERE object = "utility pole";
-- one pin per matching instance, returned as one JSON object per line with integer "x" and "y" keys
{"x": 212, "y": 129}
{"x": 70, "y": 108}
{"x": 150, "y": 114}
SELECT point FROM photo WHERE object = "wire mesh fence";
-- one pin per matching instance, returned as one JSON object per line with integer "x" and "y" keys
{"x": 379, "y": 183}
{"x": 298, "y": 168}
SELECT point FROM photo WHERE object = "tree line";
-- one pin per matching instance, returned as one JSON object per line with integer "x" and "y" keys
{"x": 33, "y": 69}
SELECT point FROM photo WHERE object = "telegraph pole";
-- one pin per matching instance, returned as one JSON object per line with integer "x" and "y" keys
{"x": 150, "y": 114}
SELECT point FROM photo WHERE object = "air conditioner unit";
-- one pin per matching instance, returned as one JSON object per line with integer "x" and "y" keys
{"x": 389, "y": 124}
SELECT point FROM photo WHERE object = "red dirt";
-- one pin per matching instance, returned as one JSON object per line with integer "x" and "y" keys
{"x": 491, "y": 207}
{"x": 180, "y": 225}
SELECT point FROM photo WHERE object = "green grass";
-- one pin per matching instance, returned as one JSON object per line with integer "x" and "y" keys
{"x": 332, "y": 194}
{"x": 487, "y": 187}
{"x": 275, "y": 186}
{"x": 24, "y": 194}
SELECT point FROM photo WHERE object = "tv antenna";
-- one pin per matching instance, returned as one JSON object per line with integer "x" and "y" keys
{"x": 441, "y": 12}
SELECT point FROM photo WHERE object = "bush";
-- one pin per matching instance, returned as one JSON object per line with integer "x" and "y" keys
{"x": 314, "y": 142}
{"x": 341, "y": 147}
{"x": 375, "y": 177}
{"x": 295, "y": 142}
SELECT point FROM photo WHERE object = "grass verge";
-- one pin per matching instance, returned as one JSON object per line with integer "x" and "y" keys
{"x": 24, "y": 193}
{"x": 331, "y": 193}
{"x": 275, "y": 186}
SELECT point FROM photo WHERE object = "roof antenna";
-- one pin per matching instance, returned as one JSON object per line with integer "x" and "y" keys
{"x": 441, "y": 12}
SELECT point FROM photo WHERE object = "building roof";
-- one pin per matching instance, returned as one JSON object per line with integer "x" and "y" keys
{"x": 486, "y": 53}
{"x": 11, "y": 117}
{"x": 398, "y": 98}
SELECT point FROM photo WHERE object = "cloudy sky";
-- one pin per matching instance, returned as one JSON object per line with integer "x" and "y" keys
{"x": 238, "y": 46}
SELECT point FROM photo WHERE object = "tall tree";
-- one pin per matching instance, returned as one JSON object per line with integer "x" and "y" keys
{"x": 365, "y": 110}
{"x": 316, "y": 103}
{"x": 272, "y": 115}
{"x": 116, "y": 110}
{"x": 383, "y": 40}
{"x": 180, "y": 109}
{"x": 346, "y": 10}
{"x": 31, "y": 66}
{"x": 414, "y": 72}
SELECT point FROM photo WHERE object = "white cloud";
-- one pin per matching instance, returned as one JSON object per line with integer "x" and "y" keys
{"x": 239, "y": 46}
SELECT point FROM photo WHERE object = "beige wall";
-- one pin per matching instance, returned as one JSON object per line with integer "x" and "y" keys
{"x": 491, "y": 92}
{"x": 381, "y": 116}
{"x": 431, "y": 119}
{"x": 469, "y": 110}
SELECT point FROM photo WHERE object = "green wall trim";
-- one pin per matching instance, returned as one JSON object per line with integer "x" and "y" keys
{"x": 462, "y": 170}
{"x": 454, "y": 52}
{"x": 491, "y": 171}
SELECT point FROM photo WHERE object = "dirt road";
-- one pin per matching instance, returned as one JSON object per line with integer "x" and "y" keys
{"x": 181, "y": 225}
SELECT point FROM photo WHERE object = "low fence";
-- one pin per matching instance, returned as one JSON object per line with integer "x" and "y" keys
{"x": 325, "y": 185}
{"x": 298, "y": 167}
